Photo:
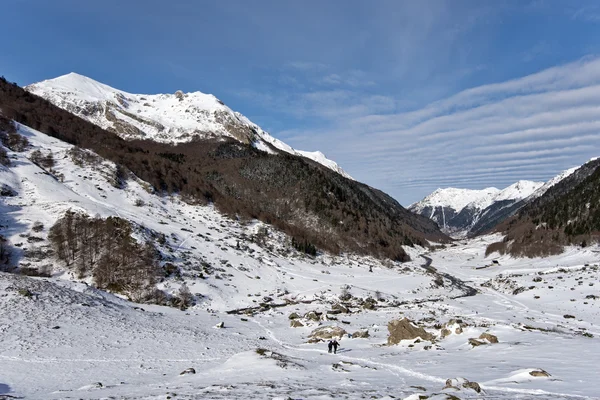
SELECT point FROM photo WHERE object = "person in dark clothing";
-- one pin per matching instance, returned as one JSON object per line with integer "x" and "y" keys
{"x": 330, "y": 346}
{"x": 335, "y": 345}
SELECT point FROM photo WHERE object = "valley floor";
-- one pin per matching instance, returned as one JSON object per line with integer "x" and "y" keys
{"x": 62, "y": 339}
{"x": 67, "y": 340}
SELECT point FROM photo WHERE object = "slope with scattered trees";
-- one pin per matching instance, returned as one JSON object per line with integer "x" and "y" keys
{"x": 316, "y": 206}
{"x": 567, "y": 214}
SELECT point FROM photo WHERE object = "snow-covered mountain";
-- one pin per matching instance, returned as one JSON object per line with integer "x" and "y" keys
{"x": 457, "y": 211}
{"x": 167, "y": 118}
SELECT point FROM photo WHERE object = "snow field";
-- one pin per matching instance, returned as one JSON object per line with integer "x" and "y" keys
{"x": 64, "y": 339}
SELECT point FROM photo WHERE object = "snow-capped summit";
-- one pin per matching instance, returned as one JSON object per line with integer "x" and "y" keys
{"x": 456, "y": 211}
{"x": 518, "y": 190}
{"x": 454, "y": 198}
{"x": 169, "y": 118}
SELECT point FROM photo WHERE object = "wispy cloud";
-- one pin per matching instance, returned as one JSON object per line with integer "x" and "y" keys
{"x": 492, "y": 135}
{"x": 588, "y": 14}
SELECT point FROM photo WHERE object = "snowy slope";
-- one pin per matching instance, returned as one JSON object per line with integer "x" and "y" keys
{"x": 544, "y": 188}
{"x": 518, "y": 190}
{"x": 63, "y": 339}
{"x": 167, "y": 118}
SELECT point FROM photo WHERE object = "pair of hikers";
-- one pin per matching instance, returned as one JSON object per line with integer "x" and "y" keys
{"x": 333, "y": 344}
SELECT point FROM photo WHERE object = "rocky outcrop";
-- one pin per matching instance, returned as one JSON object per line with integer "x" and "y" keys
{"x": 361, "y": 334}
{"x": 326, "y": 333}
{"x": 539, "y": 373}
{"x": 296, "y": 324}
{"x": 489, "y": 337}
{"x": 404, "y": 329}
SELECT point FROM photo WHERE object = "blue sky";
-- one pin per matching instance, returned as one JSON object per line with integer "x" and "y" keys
{"x": 407, "y": 96}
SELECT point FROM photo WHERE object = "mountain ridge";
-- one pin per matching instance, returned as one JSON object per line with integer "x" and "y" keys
{"x": 306, "y": 200}
{"x": 167, "y": 118}
{"x": 458, "y": 211}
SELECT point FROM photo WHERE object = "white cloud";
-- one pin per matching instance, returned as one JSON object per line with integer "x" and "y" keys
{"x": 492, "y": 135}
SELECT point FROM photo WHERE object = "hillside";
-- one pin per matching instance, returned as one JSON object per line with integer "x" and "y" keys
{"x": 568, "y": 212}
{"x": 312, "y": 203}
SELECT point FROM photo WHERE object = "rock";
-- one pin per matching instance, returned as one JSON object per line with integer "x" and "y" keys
{"x": 313, "y": 316}
{"x": 326, "y": 333}
{"x": 474, "y": 342}
{"x": 294, "y": 316}
{"x": 458, "y": 383}
{"x": 361, "y": 334}
{"x": 538, "y": 373}
{"x": 458, "y": 330}
{"x": 341, "y": 308}
{"x": 188, "y": 371}
{"x": 333, "y": 312}
{"x": 472, "y": 385}
{"x": 404, "y": 329}
{"x": 179, "y": 94}
{"x": 370, "y": 304}
{"x": 220, "y": 325}
{"x": 445, "y": 332}
{"x": 489, "y": 337}
{"x": 296, "y": 324}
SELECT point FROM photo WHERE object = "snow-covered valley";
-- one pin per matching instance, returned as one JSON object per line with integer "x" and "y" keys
{"x": 258, "y": 300}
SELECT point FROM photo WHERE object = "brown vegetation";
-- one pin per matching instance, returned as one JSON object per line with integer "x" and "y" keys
{"x": 105, "y": 250}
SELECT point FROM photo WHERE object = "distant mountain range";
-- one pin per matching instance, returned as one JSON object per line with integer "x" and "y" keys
{"x": 462, "y": 212}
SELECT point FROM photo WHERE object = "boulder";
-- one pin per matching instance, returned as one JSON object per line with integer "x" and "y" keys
{"x": 341, "y": 308}
{"x": 326, "y": 333}
{"x": 472, "y": 385}
{"x": 458, "y": 383}
{"x": 458, "y": 330}
{"x": 361, "y": 334}
{"x": 474, "y": 342}
{"x": 220, "y": 325}
{"x": 188, "y": 371}
{"x": 294, "y": 316}
{"x": 404, "y": 329}
{"x": 370, "y": 304}
{"x": 313, "y": 316}
{"x": 445, "y": 332}
{"x": 489, "y": 337}
{"x": 296, "y": 324}
{"x": 538, "y": 373}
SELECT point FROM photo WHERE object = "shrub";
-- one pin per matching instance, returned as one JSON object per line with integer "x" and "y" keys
{"x": 37, "y": 226}
{"x": 41, "y": 160}
{"x": 4, "y": 160}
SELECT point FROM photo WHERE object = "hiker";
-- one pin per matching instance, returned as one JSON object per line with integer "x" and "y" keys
{"x": 329, "y": 346}
{"x": 335, "y": 345}
{"x": 370, "y": 268}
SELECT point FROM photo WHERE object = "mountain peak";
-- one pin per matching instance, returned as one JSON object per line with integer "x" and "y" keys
{"x": 454, "y": 198}
{"x": 168, "y": 118}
